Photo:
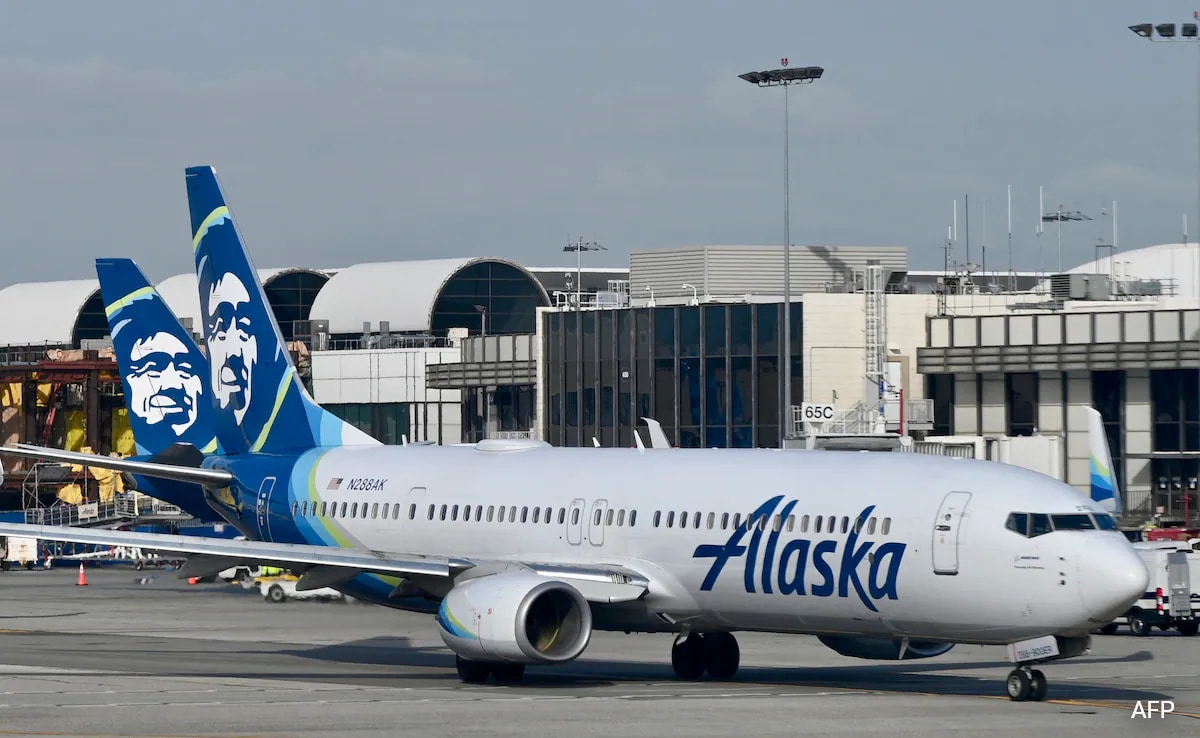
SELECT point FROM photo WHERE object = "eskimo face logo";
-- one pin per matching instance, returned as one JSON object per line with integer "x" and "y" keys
{"x": 232, "y": 347}
{"x": 163, "y": 384}
{"x": 868, "y": 568}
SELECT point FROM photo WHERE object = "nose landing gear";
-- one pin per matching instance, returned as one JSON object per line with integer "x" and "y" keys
{"x": 1025, "y": 684}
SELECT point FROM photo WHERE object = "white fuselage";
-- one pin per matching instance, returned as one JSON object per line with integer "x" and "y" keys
{"x": 575, "y": 506}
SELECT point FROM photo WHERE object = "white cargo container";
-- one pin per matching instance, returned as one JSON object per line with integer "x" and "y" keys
{"x": 19, "y": 552}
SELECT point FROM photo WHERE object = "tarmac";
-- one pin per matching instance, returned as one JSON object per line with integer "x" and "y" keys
{"x": 146, "y": 654}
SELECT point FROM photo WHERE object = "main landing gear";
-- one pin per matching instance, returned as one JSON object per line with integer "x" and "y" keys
{"x": 475, "y": 672}
{"x": 716, "y": 653}
{"x": 1025, "y": 684}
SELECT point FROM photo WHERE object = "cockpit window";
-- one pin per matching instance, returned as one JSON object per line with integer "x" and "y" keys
{"x": 1078, "y": 521}
{"x": 1106, "y": 522}
{"x": 1039, "y": 524}
{"x": 1018, "y": 523}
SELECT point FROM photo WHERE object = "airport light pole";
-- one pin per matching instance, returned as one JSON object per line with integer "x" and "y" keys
{"x": 785, "y": 77}
{"x": 1059, "y": 216}
{"x": 1187, "y": 33}
{"x": 579, "y": 246}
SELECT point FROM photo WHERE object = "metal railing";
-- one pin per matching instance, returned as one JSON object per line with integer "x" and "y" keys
{"x": 864, "y": 419}
{"x": 122, "y": 507}
{"x": 510, "y": 435}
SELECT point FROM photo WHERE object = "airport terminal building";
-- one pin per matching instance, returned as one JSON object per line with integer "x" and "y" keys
{"x": 456, "y": 350}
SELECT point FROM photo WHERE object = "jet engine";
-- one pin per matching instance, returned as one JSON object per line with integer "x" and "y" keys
{"x": 884, "y": 649}
{"x": 515, "y": 617}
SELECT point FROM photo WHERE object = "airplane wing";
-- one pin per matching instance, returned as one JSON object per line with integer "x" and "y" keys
{"x": 179, "y": 473}
{"x": 325, "y": 565}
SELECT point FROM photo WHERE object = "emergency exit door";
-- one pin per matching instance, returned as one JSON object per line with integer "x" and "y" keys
{"x": 946, "y": 532}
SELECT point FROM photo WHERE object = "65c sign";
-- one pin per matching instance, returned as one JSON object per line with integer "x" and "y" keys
{"x": 811, "y": 412}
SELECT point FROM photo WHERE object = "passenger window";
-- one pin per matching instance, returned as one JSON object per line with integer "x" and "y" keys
{"x": 412, "y": 511}
{"x": 431, "y": 512}
{"x": 562, "y": 515}
{"x": 345, "y": 506}
{"x": 466, "y": 513}
{"x": 612, "y": 514}
{"x": 845, "y": 524}
{"x": 443, "y": 515}
{"x": 804, "y": 524}
{"x": 724, "y": 521}
{"x": 491, "y": 513}
{"x": 887, "y": 526}
{"x": 537, "y": 514}
{"x": 512, "y": 513}
{"x": 632, "y": 518}
{"x": 1078, "y": 521}
{"x": 596, "y": 518}
{"x": 762, "y": 522}
{"x": 323, "y": 503}
{"x": 778, "y": 526}
{"x": 621, "y": 518}
{"x": 683, "y": 519}
{"x": 712, "y": 519}
{"x": 575, "y": 516}
{"x": 375, "y": 510}
{"x": 671, "y": 519}
{"x": 817, "y": 524}
{"x": 295, "y": 508}
{"x": 858, "y": 524}
{"x": 1018, "y": 523}
{"x": 696, "y": 521}
{"x": 791, "y": 525}
{"x": 524, "y": 514}
{"x": 871, "y": 527}
{"x": 478, "y": 512}
{"x": 354, "y": 510}
{"x": 454, "y": 513}
{"x": 1039, "y": 524}
{"x": 737, "y": 521}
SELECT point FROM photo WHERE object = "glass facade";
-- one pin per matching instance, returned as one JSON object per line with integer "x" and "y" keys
{"x": 709, "y": 373}
{"x": 386, "y": 421}
{"x": 1175, "y": 410}
{"x": 291, "y": 296}
{"x": 509, "y": 298}
{"x": 1021, "y": 396}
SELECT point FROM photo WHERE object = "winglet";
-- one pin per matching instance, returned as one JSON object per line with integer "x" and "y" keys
{"x": 1104, "y": 488}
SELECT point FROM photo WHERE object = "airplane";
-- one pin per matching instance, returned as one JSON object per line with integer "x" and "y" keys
{"x": 521, "y": 550}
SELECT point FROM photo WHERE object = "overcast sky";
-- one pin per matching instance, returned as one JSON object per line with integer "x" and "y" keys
{"x": 356, "y": 131}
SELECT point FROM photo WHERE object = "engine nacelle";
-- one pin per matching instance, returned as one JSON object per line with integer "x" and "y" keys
{"x": 515, "y": 617}
{"x": 883, "y": 648}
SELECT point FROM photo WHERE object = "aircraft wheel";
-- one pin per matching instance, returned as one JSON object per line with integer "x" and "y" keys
{"x": 1109, "y": 629}
{"x": 687, "y": 657}
{"x": 507, "y": 673}
{"x": 1037, "y": 692}
{"x": 471, "y": 672}
{"x": 1019, "y": 684}
{"x": 721, "y": 655}
{"x": 1190, "y": 628}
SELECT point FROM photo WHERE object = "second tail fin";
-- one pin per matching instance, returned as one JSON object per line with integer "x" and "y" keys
{"x": 259, "y": 402}
{"x": 162, "y": 369}
{"x": 1104, "y": 487}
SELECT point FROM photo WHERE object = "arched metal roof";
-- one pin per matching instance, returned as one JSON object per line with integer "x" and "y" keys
{"x": 182, "y": 294}
{"x": 1178, "y": 262}
{"x": 402, "y": 293}
{"x": 37, "y": 313}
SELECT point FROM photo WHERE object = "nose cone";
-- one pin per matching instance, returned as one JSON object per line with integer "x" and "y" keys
{"x": 1112, "y": 577}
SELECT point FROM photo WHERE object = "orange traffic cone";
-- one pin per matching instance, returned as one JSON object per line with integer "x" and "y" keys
{"x": 193, "y": 580}
{"x": 82, "y": 577}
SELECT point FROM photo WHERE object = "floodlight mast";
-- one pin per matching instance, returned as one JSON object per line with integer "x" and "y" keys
{"x": 1187, "y": 33}
{"x": 785, "y": 77}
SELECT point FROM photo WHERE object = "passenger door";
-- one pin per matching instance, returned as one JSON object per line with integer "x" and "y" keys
{"x": 945, "y": 532}
{"x": 596, "y": 522}
{"x": 263, "y": 506}
{"x": 575, "y": 522}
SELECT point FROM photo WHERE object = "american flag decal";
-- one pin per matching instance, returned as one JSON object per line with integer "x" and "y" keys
{"x": 335, "y": 483}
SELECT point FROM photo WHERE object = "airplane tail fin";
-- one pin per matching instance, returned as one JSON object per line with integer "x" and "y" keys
{"x": 162, "y": 369}
{"x": 1104, "y": 488}
{"x": 658, "y": 438}
{"x": 259, "y": 401}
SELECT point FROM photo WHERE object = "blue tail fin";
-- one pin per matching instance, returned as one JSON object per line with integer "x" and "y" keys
{"x": 162, "y": 369}
{"x": 1104, "y": 488}
{"x": 259, "y": 401}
